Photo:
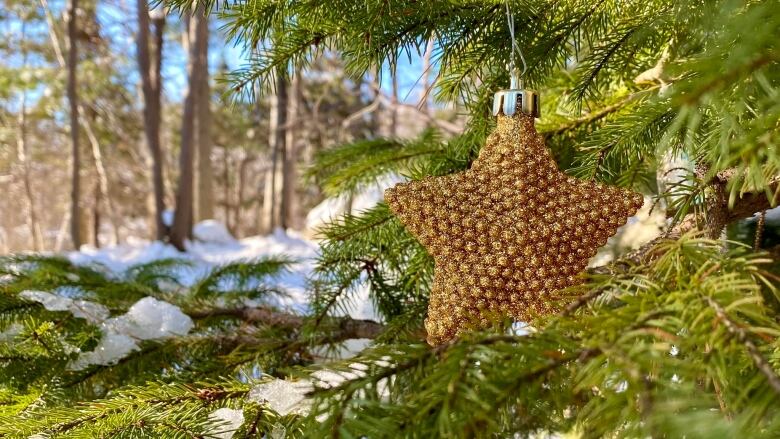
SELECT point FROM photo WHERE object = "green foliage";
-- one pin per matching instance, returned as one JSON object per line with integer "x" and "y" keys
{"x": 155, "y": 410}
{"x": 689, "y": 77}
{"x": 40, "y": 380}
{"x": 679, "y": 341}
{"x": 652, "y": 344}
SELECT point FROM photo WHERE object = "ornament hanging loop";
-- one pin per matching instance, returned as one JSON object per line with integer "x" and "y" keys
{"x": 516, "y": 98}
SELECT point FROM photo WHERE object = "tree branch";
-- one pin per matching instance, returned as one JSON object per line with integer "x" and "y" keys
{"x": 347, "y": 328}
{"x": 759, "y": 361}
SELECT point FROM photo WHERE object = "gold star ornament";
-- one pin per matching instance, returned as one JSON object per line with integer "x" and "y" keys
{"x": 508, "y": 233}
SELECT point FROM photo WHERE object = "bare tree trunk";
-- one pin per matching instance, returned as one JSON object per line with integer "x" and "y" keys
{"x": 290, "y": 173}
{"x": 96, "y": 214}
{"x": 425, "y": 105}
{"x": 21, "y": 153}
{"x": 75, "y": 192}
{"x": 103, "y": 183}
{"x": 226, "y": 191}
{"x": 199, "y": 30}
{"x": 394, "y": 103}
{"x": 150, "y": 83}
{"x": 62, "y": 232}
{"x": 272, "y": 199}
{"x": 241, "y": 195}
{"x": 183, "y": 216}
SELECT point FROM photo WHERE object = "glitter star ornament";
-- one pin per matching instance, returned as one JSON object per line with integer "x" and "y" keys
{"x": 510, "y": 231}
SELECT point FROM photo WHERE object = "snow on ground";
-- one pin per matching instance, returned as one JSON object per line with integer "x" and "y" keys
{"x": 153, "y": 319}
{"x": 367, "y": 198}
{"x": 214, "y": 246}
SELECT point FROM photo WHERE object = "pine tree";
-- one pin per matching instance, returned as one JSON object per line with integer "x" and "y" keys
{"x": 679, "y": 338}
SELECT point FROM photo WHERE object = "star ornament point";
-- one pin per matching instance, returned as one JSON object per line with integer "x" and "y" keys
{"x": 507, "y": 233}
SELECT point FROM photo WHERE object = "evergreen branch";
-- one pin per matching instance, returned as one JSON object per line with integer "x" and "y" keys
{"x": 346, "y": 328}
{"x": 155, "y": 402}
{"x": 760, "y": 362}
{"x": 725, "y": 79}
{"x": 597, "y": 115}
{"x": 744, "y": 207}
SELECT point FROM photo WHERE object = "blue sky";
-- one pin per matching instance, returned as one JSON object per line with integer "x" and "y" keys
{"x": 114, "y": 20}
{"x": 118, "y": 24}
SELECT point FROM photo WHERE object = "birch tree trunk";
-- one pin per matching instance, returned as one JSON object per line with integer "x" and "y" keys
{"x": 75, "y": 191}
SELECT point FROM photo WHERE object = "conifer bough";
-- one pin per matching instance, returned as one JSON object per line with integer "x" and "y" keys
{"x": 680, "y": 340}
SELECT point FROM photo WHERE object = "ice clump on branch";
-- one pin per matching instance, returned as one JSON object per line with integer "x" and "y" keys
{"x": 327, "y": 378}
{"x": 92, "y": 312}
{"x": 229, "y": 420}
{"x": 111, "y": 348}
{"x": 283, "y": 397}
{"x": 150, "y": 319}
{"x": 147, "y": 319}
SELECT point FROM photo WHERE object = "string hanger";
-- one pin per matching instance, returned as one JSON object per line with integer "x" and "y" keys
{"x": 515, "y": 98}
{"x": 516, "y": 80}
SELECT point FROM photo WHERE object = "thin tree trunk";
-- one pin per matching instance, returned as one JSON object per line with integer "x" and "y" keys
{"x": 226, "y": 191}
{"x": 149, "y": 70}
{"x": 199, "y": 30}
{"x": 3, "y": 242}
{"x": 290, "y": 172}
{"x": 183, "y": 216}
{"x": 98, "y": 194}
{"x": 272, "y": 199}
{"x": 62, "y": 232}
{"x": 241, "y": 195}
{"x": 394, "y": 103}
{"x": 22, "y": 155}
{"x": 103, "y": 183}
{"x": 87, "y": 125}
{"x": 425, "y": 105}
{"x": 52, "y": 34}
{"x": 75, "y": 193}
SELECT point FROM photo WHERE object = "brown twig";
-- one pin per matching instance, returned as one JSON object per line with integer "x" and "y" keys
{"x": 759, "y": 230}
{"x": 348, "y": 328}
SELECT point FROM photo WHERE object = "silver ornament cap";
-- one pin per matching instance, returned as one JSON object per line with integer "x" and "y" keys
{"x": 516, "y": 98}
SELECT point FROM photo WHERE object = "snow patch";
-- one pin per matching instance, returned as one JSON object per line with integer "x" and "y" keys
{"x": 283, "y": 397}
{"x": 230, "y": 421}
{"x": 111, "y": 348}
{"x": 212, "y": 231}
{"x": 92, "y": 312}
{"x": 330, "y": 378}
{"x": 333, "y": 207}
{"x": 205, "y": 256}
{"x": 152, "y": 319}
{"x": 49, "y": 301}
{"x": 147, "y": 319}
{"x": 167, "y": 217}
